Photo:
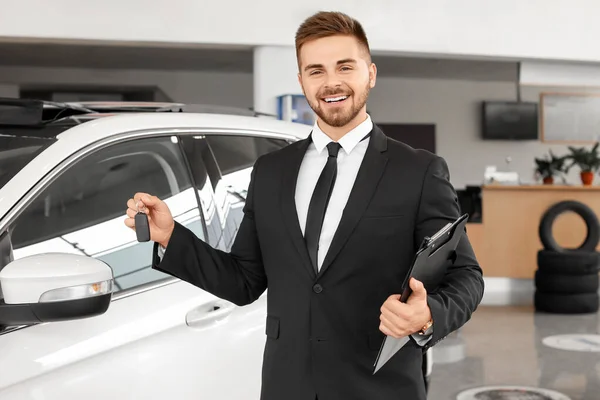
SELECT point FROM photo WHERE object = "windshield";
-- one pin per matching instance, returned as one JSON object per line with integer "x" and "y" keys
{"x": 16, "y": 152}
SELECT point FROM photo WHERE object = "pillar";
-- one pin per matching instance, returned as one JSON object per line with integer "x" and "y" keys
{"x": 275, "y": 74}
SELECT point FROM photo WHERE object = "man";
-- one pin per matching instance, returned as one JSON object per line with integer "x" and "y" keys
{"x": 331, "y": 226}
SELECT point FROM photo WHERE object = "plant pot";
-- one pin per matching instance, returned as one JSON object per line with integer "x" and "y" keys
{"x": 587, "y": 178}
{"x": 548, "y": 180}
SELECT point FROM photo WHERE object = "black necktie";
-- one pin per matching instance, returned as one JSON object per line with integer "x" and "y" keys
{"x": 318, "y": 204}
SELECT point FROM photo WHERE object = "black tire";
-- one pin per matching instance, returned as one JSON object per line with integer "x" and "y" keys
{"x": 566, "y": 303}
{"x": 589, "y": 217}
{"x": 566, "y": 284}
{"x": 568, "y": 263}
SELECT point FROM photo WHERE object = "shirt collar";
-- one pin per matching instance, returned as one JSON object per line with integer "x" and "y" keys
{"x": 348, "y": 141}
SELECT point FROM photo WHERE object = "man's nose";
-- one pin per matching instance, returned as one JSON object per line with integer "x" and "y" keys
{"x": 333, "y": 82}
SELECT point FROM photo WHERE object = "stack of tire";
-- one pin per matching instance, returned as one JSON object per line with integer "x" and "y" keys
{"x": 566, "y": 281}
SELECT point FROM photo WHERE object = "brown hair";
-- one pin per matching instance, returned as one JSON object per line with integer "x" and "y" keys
{"x": 329, "y": 23}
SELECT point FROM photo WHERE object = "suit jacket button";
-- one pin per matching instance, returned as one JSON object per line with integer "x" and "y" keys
{"x": 317, "y": 288}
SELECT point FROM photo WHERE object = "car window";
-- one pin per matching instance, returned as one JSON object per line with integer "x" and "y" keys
{"x": 235, "y": 156}
{"x": 82, "y": 211}
{"x": 204, "y": 172}
{"x": 16, "y": 152}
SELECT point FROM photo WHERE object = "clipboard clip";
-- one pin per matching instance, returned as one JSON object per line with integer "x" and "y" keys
{"x": 424, "y": 243}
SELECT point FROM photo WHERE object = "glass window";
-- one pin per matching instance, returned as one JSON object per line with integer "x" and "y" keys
{"x": 205, "y": 173}
{"x": 235, "y": 157}
{"x": 16, "y": 152}
{"x": 82, "y": 211}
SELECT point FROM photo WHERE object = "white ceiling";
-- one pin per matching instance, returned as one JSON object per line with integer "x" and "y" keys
{"x": 230, "y": 60}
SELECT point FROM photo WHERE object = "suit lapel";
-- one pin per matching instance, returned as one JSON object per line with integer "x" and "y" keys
{"x": 368, "y": 177}
{"x": 288, "y": 203}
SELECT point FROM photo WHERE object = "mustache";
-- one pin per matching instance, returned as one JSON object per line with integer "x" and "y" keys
{"x": 334, "y": 92}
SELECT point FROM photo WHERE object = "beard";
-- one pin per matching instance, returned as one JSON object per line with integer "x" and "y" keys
{"x": 342, "y": 116}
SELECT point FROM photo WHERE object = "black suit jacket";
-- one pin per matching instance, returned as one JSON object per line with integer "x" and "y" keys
{"x": 322, "y": 331}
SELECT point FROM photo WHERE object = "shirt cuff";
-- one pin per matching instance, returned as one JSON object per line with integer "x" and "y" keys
{"x": 422, "y": 340}
{"x": 161, "y": 251}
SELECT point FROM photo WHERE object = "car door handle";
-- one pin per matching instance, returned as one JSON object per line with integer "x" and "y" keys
{"x": 210, "y": 314}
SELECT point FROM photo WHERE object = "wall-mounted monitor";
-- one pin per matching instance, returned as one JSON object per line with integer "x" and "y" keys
{"x": 505, "y": 120}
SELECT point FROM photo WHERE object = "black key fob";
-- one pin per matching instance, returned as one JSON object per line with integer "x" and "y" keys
{"x": 142, "y": 228}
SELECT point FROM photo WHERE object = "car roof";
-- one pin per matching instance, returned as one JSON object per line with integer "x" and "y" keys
{"x": 96, "y": 129}
{"x": 116, "y": 124}
{"x": 87, "y": 122}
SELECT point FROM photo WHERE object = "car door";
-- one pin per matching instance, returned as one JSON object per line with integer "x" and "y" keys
{"x": 161, "y": 337}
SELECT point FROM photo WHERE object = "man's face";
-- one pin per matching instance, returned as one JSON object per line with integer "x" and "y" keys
{"x": 336, "y": 76}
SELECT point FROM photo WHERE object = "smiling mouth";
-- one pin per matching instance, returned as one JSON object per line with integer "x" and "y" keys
{"x": 337, "y": 99}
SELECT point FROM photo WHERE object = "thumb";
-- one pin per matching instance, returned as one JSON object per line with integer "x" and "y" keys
{"x": 148, "y": 200}
{"x": 419, "y": 292}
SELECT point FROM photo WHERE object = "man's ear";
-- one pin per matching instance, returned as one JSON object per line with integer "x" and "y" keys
{"x": 372, "y": 75}
{"x": 301, "y": 85}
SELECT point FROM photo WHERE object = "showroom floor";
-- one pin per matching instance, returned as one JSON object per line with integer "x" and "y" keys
{"x": 503, "y": 346}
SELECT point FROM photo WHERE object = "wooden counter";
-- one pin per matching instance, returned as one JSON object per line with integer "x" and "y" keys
{"x": 507, "y": 241}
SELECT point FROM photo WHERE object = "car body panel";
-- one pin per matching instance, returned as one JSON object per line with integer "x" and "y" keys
{"x": 141, "y": 339}
{"x": 165, "y": 339}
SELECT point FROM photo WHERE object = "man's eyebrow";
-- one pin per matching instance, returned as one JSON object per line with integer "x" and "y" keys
{"x": 344, "y": 61}
{"x": 311, "y": 66}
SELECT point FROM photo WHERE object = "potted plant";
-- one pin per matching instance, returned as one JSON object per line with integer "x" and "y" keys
{"x": 549, "y": 166}
{"x": 588, "y": 162}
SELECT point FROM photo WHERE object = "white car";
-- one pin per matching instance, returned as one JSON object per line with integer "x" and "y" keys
{"x": 82, "y": 314}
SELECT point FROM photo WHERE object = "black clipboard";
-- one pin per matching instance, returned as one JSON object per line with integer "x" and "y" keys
{"x": 429, "y": 266}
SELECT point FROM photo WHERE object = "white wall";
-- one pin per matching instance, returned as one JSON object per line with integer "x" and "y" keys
{"x": 275, "y": 73}
{"x": 454, "y": 106}
{"x": 227, "y": 89}
{"x": 536, "y": 73}
{"x": 547, "y": 29}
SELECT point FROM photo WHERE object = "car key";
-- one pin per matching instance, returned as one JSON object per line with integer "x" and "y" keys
{"x": 142, "y": 228}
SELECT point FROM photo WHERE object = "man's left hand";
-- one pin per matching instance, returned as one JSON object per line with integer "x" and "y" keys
{"x": 404, "y": 319}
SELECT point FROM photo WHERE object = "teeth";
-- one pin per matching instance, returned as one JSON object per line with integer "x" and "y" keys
{"x": 336, "y": 99}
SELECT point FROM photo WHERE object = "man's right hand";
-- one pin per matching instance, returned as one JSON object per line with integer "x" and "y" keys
{"x": 160, "y": 219}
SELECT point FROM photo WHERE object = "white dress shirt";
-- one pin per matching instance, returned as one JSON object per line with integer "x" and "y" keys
{"x": 349, "y": 158}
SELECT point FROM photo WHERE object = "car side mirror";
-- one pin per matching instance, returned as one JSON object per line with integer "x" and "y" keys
{"x": 54, "y": 287}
